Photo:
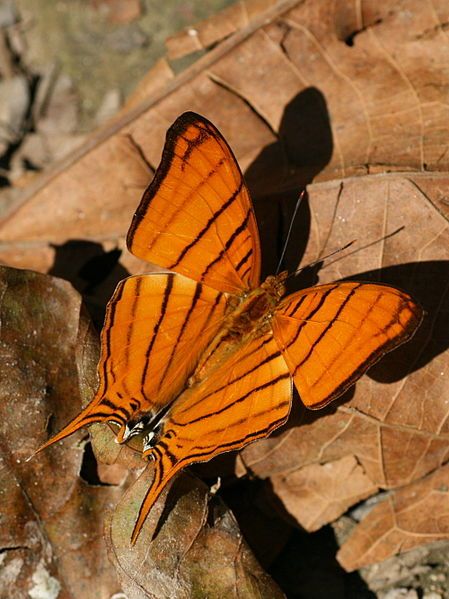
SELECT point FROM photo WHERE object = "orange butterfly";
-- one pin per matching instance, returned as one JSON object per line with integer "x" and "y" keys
{"x": 202, "y": 360}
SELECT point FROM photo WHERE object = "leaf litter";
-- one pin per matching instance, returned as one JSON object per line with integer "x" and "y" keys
{"x": 356, "y": 110}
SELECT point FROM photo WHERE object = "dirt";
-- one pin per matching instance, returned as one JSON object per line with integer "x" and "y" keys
{"x": 99, "y": 55}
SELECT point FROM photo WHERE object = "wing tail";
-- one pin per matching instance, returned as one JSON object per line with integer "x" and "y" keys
{"x": 164, "y": 470}
{"x": 94, "y": 412}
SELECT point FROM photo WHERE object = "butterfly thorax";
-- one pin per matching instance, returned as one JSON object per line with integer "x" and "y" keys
{"x": 255, "y": 308}
{"x": 248, "y": 317}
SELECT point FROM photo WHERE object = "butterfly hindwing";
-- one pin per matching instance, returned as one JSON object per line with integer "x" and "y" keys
{"x": 196, "y": 216}
{"x": 156, "y": 327}
{"x": 245, "y": 398}
{"x": 331, "y": 334}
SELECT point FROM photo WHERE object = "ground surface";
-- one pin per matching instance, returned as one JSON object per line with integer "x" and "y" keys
{"x": 94, "y": 57}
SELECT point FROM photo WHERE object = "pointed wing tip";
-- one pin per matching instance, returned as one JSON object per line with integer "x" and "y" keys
{"x": 47, "y": 443}
{"x": 74, "y": 425}
{"x": 32, "y": 455}
{"x": 51, "y": 441}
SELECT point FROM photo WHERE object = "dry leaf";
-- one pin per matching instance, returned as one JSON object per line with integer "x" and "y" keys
{"x": 395, "y": 419}
{"x": 410, "y": 517}
{"x": 204, "y": 34}
{"x": 155, "y": 79}
{"x": 317, "y": 494}
{"x": 190, "y": 544}
{"x": 52, "y": 520}
{"x": 388, "y": 408}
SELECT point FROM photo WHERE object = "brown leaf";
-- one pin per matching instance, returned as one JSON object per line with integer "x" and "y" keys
{"x": 409, "y": 517}
{"x": 52, "y": 518}
{"x": 204, "y": 34}
{"x": 318, "y": 494}
{"x": 349, "y": 93}
{"x": 155, "y": 79}
{"x": 51, "y": 531}
{"x": 352, "y": 92}
{"x": 395, "y": 419}
{"x": 188, "y": 542}
{"x": 388, "y": 410}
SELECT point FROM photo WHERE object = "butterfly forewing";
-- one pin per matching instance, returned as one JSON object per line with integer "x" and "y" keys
{"x": 331, "y": 334}
{"x": 196, "y": 216}
{"x": 157, "y": 327}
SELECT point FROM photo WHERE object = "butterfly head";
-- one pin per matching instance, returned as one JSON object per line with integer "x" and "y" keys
{"x": 274, "y": 285}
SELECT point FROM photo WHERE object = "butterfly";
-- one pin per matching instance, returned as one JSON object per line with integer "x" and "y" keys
{"x": 202, "y": 358}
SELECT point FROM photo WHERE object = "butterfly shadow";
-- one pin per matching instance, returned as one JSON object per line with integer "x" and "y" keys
{"x": 93, "y": 272}
{"x": 282, "y": 170}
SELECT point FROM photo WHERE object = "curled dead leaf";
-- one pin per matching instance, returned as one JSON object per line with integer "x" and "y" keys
{"x": 190, "y": 544}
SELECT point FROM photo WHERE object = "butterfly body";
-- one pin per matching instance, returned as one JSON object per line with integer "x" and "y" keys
{"x": 248, "y": 317}
{"x": 203, "y": 359}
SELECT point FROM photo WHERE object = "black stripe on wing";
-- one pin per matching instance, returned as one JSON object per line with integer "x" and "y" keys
{"x": 165, "y": 299}
{"x": 240, "y": 399}
{"x": 327, "y": 328}
{"x": 208, "y": 225}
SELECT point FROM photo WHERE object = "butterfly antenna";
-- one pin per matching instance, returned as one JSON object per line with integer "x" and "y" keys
{"x": 297, "y": 271}
{"x": 290, "y": 228}
{"x": 363, "y": 247}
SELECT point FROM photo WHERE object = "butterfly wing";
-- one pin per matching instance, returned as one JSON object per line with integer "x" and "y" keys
{"x": 331, "y": 334}
{"x": 155, "y": 329}
{"x": 245, "y": 398}
{"x": 196, "y": 217}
